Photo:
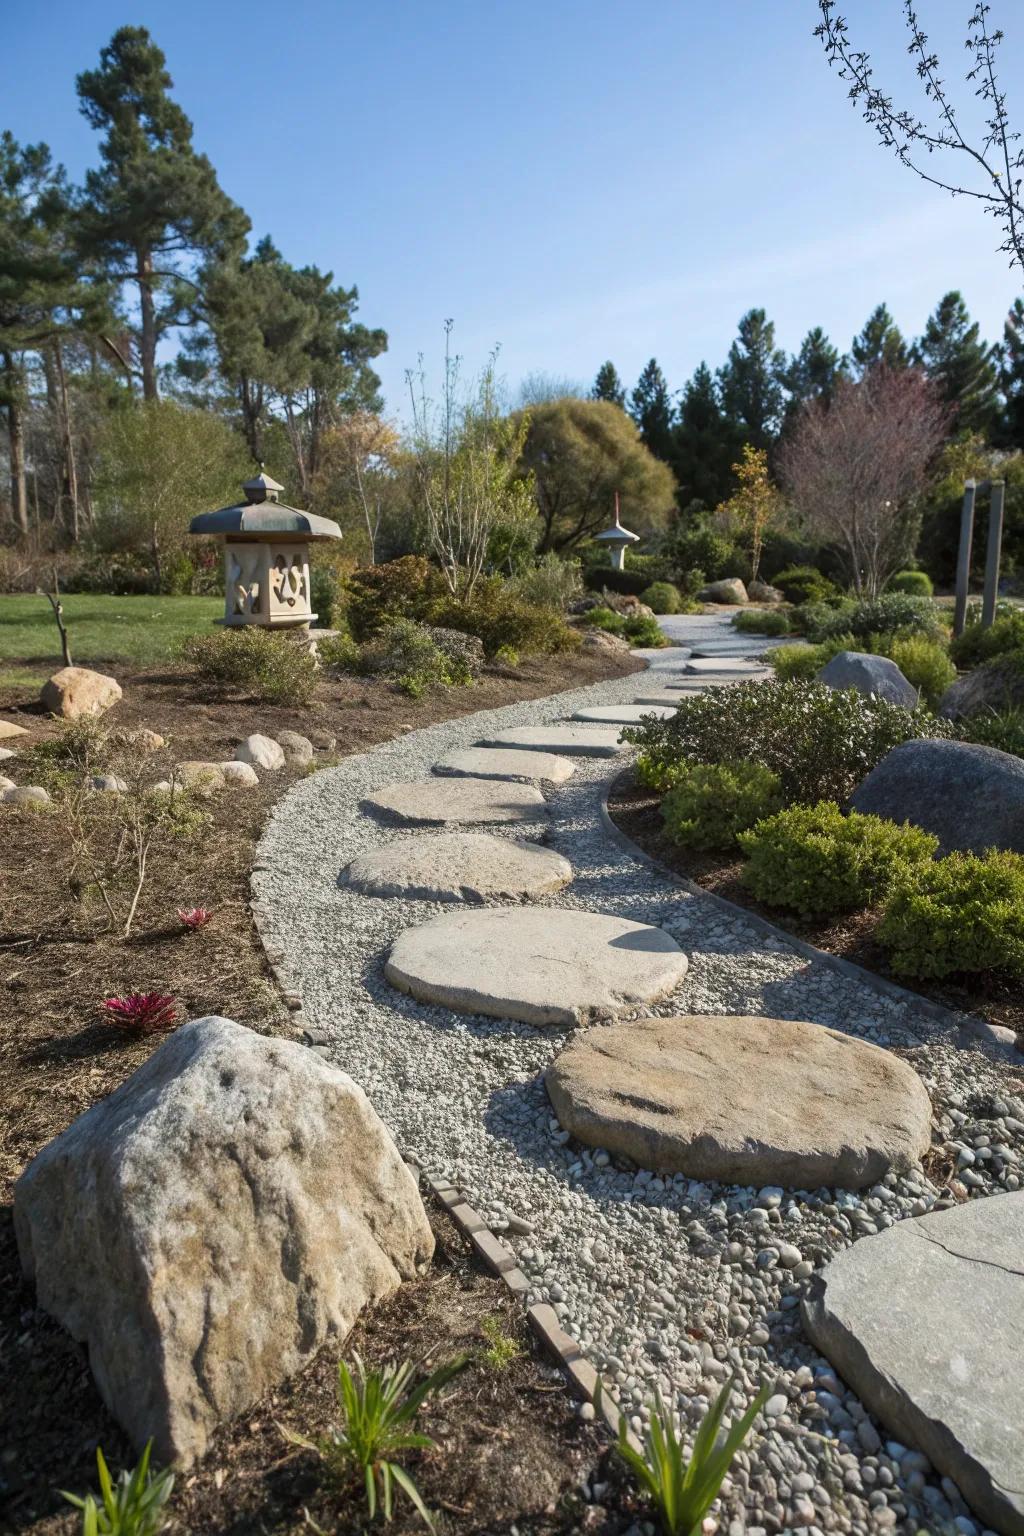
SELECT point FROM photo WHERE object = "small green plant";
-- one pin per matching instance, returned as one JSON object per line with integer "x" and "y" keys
{"x": 709, "y": 805}
{"x": 657, "y": 771}
{"x": 761, "y": 621}
{"x": 377, "y": 1412}
{"x": 976, "y": 644}
{"x": 662, "y": 597}
{"x": 551, "y": 583}
{"x": 804, "y": 584}
{"x": 502, "y": 1348}
{"x": 814, "y": 860}
{"x": 133, "y": 1506}
{"x": 683, "y": 1491}
{"x": 924, "y": 663}
{"x": 917, "y": 583}
{"x": 1003, "y": 729}
{"x": 337, "y": 653}
{"x": 607, "y": 619}
{"x": 892, "y": 613}
{"x": 407, "y": 652}
{"x": 266, "y": 667}
{"x": 507, "y": 656}
{"x": 643, "y": 632}
{"x": 962, "y": 913}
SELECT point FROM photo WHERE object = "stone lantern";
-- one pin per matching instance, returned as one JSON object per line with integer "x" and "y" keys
{"x": 266, "y": 556}
{"x": 617, "y": 540}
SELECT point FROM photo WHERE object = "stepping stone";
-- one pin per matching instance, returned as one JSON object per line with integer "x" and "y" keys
{"x": 924, "y": 1322}
{"x": 670, "y": 700}
{"x": 729, "y": 666}
{"x": 9, "y": 731}
{"x": 516, "y": 767}
{"x": 460, "y": 866}
{"x": 578, "y": 740}
{"x": 438, "y": 802}
{"x": 543, "y": 965}
{"x": 623, "y": 714}
{"x": 743, "y": 1101}
{"x": 729, "y": 648}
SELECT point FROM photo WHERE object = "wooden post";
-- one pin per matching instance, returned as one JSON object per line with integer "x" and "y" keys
{"x": 963, "y": 564}
{"x": 992, "y": 552}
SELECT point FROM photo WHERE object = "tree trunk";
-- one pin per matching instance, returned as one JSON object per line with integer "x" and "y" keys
{"x": 16, "y": 437}
{"x": 67, "y": 441}
{"x": 147, "y": 305}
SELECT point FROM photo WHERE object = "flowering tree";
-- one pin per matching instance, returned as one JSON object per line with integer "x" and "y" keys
{"x": 755, "y": 504}
{"x": 856, "y": 469}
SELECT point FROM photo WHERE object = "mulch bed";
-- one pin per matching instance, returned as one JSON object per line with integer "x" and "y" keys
{"x": 512, "y": 1448}
{"x": 637, "y": 811}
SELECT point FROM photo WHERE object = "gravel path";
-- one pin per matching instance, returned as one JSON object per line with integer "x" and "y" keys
{"x": 669, "y": 1285}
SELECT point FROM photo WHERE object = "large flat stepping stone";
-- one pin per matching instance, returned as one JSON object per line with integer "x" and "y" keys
{"x": 924, "y": 1321}
{"x": 723, "y": 666}
{"x": 578, "y": 740}
{"x": 542, "y": 965}
{"x": 623, "y": 714}
{"x": 440, "y": 802}
{"x": 460, "y": 866}
{"x": 743, "y": 1101}
{"x": 670, "y": 700}
{"x": 517, "y": 767}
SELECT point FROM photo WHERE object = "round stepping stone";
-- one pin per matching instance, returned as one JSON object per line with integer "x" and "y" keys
{"x": 922, "y": 1322}
{"x": 542, "y": 965}
{"x": 578, "y": 740}
{"x": 623, "y": 714}
{"x": 439, "y": 802}
{"x": 497, "y": 763}
{"x": 460, "y": 866}
{"x": 717, "y": 666}
{"x": 743, "y": 1101}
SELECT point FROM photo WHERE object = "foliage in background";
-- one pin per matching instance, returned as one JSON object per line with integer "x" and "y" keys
{"x": 890, "y": 613}
{"x": 963, "y": 913}
{"x": 708, "y": 805}
{"x": 269, "y": 668}
{"x": 978, "y": 644}
{"x": 550, "y": 582}
{"x": 754, "y": 506}
{"x": 804, "y": 584}
{"x": 1002, "y": 729}
{"x": 133, "y": 1506}
{"x": 817, "y": 861}
{"x": 917, "y": 583}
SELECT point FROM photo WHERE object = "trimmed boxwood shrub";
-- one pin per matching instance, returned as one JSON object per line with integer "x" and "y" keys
{"x": 761, "y": 621}
{"x": 814, "y": 860}
{"x": 892, "y": 613}
{"x": 708, "y": 805}
{"x": 662, "y": 597}
{"x": 917, "y": 583}
{"x": 804, "y": 584}
{"x": 923, "y": 662}
{"x": 963, "y": 913}
{"x": 267, "y": 667}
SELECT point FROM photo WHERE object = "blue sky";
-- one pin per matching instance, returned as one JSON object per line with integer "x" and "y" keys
{"x": 575, "y": 179}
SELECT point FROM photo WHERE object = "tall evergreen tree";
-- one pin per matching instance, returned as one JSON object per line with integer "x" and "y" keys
{"x": 650, "y": 406}
{"x": 750, "y": 382}
{"x": 703, "y": 445}
{"x": 608, "y": 386}
{"x": 881, "y": 341}
{"x": 1011, "y": 379}
{"x": 962, "y": 366}
{"x": 154, "y": 204}
{"x": 813, "y": 372}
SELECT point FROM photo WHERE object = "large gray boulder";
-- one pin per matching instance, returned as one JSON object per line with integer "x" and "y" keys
{"x": 971, "y": 798}
{"x": 925, "y": 1322}
{"x": 874, "y": 676}
{"x": 996, "y": 686}
{"x": 206, "y": 1228}
{"x": 729, "y": 590}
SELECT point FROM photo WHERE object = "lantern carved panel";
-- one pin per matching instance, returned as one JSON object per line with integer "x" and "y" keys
{"x": 267, "y": 582}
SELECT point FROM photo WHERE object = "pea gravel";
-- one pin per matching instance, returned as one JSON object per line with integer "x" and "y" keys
{"x": 669, "y": 1285}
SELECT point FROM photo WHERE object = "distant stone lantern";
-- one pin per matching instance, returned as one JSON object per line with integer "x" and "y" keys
{"x": 618, "y": 540}
{"x": 266, "y": 556}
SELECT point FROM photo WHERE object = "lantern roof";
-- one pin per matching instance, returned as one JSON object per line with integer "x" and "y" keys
{"x": 263, "y": 515}
{"x": 616, "y": 534}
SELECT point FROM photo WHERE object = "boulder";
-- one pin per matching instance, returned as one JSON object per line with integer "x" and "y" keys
{"x": 202, "y": 778}
{"x": 10, "y": 732}
{"x": 924, "y": 1322}
{"x": 971, "y": 798}
{"x": 145, "y": 739}
{"x": 995, "y": 686}
{"x": 743, "y": 1101}
{"x": 731, "y": 590}
{"x": 6, "y": 783}
{"x": 26, "y": 794}
{"x": 601, "y": 640}
{"x": 874, "y": 676}
{"x": 108, "y": 783}
{"x": 6, "y": 753}
{"x": 761, "y": 592}
{"x": 76, "y": 691}
{"x": 460, "y": 866}
{"x": 204, "y": 1230}
{"x": 298, "y": 750}
{"x": 261, "y": 752}
{"x": 239, "y": 775}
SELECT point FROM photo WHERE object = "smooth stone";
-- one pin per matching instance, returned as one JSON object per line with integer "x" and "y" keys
{"x": 743, "y": 1101}
{"x": 670, "y": 700}
{"x": 6, "y": 753}
{"x": 874, "y": 676}
{"x": 723, "y": 666}
{"x": 924, "y": 1322}
{"x": 729, "y": 590}
{"x": 261, "y": 752}
{"x": 241, "y": 775}
{"x": 515, "y": 767}
{"x": 298, "y": 750}
{"x": 543, "y": 965}
{"x": 459, "y": 866}
{"x": 996, "y": 685}
{"x": 108, "y": 783}
{"x": 205, "y": 1230}
{"x": 145, "y": 739}
{"x": 971, "y": 798}
{"x": 26, "y": 794}
{"x": 9, "y": 731}
{"x": 577, "y": 740}
{"x": 76, "y": 691}
{"x": 624, "y": 714}
{"x": 440, "y": 802}
{"x": 201, "y": 777}
{"x": 6, "y": 783}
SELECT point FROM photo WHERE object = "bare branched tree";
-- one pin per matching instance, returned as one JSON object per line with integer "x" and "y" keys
{"x": 856, "y": 469}
{"x": 995, "y": 162}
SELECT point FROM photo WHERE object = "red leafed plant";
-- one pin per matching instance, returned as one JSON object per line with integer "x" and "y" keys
{"x": 194, "y": 918}
{"x": 140, "y": 1013}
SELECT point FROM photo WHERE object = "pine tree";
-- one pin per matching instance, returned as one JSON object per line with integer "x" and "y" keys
{"x": 961, "y": 365}
{"x": 703, "y": 446}
{"x": 608, "y": 386}
{"x": 812, "y": 373}
{"x": 751, "y": 381}
{"x": 881, "y": 341}
{"x": 154, "y": 202}
{"x": 650, "y": 406}
{"x": 1011, "y": 379}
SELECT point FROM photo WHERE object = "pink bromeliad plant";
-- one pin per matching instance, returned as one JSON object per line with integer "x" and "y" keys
{"x": 140, "y": 1013}
{"x": 194, "y": 918}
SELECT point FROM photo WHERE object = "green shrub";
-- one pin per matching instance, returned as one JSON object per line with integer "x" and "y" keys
{"x": 963, "y": 913}
{"x": 761, "y": 621}
{"x": 643, "y": 632}
{"x": 691, "y": 582}
{"x": 709, "y": 804}
{"x": 607, "y": 619}
{"x": 892, "y": 613}
{"x": 976, "y": 645}
{"x": 716, "y": 556}
{"x": 400, "y": 589}
{"x": 917, "y": 583}
{"x": 408, "y": 653}
{"x": 267, "y": 667}
{"x": 654, "y": 772}
{"x": 1003, "y": 730}
{"x": 551, "y": 583}
{"x": 818, "y": 862}
{"x": 804, "y": 584}
{"x": 820, "y": 742}
{"x": 662, "y": 597}
{"x": 499, "y": 619}
{"x": 338, "y": 653}
{"x": 923, "y": 662}
{"x": 802, "y": 663}
{"x": 133, "y": 1506}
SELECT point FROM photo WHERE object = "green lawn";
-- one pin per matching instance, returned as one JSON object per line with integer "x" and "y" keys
{"x": 141, "y": 630}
